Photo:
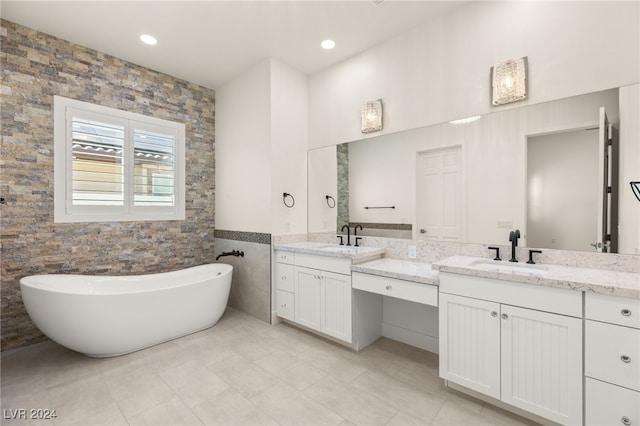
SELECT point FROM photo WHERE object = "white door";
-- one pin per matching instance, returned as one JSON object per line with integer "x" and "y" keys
{"x": 439, "y": 196}
{"x": 542, "y": 363}
{"x": 335, "y": 306}
{"x": 607, "y": 237}
{"x": 308, "y": 284}
{"x": 470, "y": 343}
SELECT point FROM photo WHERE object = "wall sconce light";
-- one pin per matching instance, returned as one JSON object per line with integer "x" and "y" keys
{"x": 509, "y": 81}
{"x": 371, "y": 116}
{"x": 635, "y": 187}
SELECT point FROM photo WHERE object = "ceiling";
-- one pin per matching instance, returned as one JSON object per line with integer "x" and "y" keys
{"x": 210, "y": 42}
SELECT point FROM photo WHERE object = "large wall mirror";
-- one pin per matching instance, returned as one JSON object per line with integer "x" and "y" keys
{"x": 545, "y": 169}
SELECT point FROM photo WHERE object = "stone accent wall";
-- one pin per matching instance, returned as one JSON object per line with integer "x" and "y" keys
{"x": 342, "y": 154}
{"x": 37, "y": 66}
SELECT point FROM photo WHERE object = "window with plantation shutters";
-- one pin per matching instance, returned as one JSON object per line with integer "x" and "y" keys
{"x": 113, "y": 165}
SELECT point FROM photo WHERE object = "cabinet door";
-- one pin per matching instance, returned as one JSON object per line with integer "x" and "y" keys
{"x": 542, "y": 363}
{"x": 308, "y": 284}
{"x": 470, "y": 343}
{"x": 336, "y": 306}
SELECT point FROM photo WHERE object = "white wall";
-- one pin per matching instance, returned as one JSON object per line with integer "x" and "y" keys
{"x": 261, "y": 146}
{"x": 629, "y": 225}
{"x": 289, "y": 139}
{"x": 243, "y": 152}
{"x": 440, "y": 70}
{"x": 323, "y": 181}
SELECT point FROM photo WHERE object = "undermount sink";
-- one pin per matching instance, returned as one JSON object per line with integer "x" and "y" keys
{"x": 510, "y": 267}
{"x": 342, "y": 249}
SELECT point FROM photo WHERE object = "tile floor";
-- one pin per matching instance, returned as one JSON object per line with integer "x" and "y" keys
{"x": 240, "y": 372}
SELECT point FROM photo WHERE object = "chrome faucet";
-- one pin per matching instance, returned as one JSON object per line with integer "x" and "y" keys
{"x": 348, "y": 234}
{"x": 513, "y": 237}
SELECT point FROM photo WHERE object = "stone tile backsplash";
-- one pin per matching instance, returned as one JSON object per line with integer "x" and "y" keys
{"x": 37, "y": 66}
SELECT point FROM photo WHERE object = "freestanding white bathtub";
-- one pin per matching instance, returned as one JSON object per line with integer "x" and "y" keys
{"x": 104, "y": 316}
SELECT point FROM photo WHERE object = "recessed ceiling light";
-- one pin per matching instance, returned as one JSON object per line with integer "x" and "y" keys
{"x": 148, "y": 39}
{"x": 328, "y": 44}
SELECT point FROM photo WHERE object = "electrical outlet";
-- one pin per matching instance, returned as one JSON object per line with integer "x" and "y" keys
{"x": 504, "y": 224}
{"x": 412, "y": 252}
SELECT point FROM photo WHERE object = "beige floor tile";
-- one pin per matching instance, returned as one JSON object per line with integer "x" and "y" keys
{"x": 291, "y": 370}
{"x": 243, "y": 375}
{"x": 419, "y": 404}
{"x": 108, "y": 415}
{"x": 79, "y": 400}
{"x": 193, "y": 382}
{"x": 421, "y": 376}
{"x": 383, "y": 361}
{"x": 453, "y": 414}
{"x": 403, "y": 419}
{"x": 502, "y": 417}
{"x": 170, "y": 413}
{"x": 354, "y": 405}
{"x": 288, "y": 406}
{"x": 230, "y": 408}
{"x": 334, "y": 361}
{"x": 139, "y": 391}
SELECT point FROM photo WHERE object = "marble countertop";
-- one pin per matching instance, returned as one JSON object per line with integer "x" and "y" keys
{"x": 400, "y": 269}
{"x": 356, "y": 254}
{"x": 625, "y": 284}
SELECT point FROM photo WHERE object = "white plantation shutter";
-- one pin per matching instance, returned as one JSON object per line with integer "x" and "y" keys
{"x": 97, "y": 162}
{"x": 112, "y": 165}
{"x": 154, "y": 168}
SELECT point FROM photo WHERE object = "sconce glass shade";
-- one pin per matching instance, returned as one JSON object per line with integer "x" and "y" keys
{"x": 509, "y": 81}
{"x": 635, "y": 187}
{"x": 371, "y": 116}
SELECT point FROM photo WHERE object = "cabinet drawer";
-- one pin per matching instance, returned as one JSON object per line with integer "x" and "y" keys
{"x": 613, "y": 309}
{"x": 414, "y": 292}
{"x": 340, "y": 265}
{"x": 285, "y": 257}
{"x": 607, "y": 404}
{"x": 286, "y": 305}
{"x": 285, "y": 275}
{"x": 612, "y": 354}
{"x": 555, "y": 300}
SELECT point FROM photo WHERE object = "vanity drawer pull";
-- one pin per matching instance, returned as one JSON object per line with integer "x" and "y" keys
{"x": 626, "y": 312}
{"x": 625, "y": 420}
{"x": 494, "y": 314}
{"x": 504, "y": 316}
{"x": 626, "y": 359}
{"x": 284, "y": 277}
{"x": 388, "y": 288}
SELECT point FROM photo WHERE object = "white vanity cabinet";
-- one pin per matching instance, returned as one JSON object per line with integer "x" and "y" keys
{"x": 518, "y": 343}
{"x": 315, "y": 292}
{"x": 612, "y": 360}
{"x": 285, "y": 287}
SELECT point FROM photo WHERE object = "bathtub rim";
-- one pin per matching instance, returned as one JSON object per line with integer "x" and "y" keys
{"x": 90, "y": 280}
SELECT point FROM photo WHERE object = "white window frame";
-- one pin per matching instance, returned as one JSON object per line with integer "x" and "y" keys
{"x": 65, "y": 212}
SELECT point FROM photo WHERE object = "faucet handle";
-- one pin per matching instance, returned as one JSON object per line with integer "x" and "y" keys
{"x": 357, "y": 240}
{"x": 341, "y": 241}
{"x": 497, "y": 249}
{"x": 530, "y": 261}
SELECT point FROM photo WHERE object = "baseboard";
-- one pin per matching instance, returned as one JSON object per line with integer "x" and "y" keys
{"x": 410, "y": 337}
